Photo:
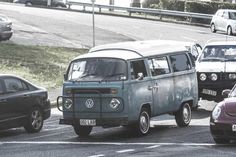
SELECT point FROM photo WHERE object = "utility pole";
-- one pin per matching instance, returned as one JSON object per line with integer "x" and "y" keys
{"x": 93, "y": 1}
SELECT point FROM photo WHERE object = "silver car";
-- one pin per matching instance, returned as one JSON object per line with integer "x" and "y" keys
{"x": 224, "y": 20}
{"x": 5, "y": 28}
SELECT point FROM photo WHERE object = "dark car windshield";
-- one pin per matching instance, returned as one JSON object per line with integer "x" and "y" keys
{"x": 219, "y": 53}
{"x": 97, "y": 69}
{"x": 232, "y": 15}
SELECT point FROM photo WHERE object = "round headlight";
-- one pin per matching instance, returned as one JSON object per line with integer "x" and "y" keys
{"x": 114, "y": 103}
{"x": 214, "y": 77}
{"x": 216, "y": 112}
{"x": 68, "y": 103}
{"x": 232, "y": 76}
{"x": 203, "y": 77}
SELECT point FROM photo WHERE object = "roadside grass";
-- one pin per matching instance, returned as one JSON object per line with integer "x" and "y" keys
{"x": 41, "y": 65}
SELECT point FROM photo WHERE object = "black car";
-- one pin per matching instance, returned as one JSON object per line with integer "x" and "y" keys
{"x": 22, "y": 104}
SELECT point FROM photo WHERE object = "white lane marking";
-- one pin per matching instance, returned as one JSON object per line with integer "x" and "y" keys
{"x": 58, "y": 128}
{"x": 154, "y": 146}
{"x": 125, "y": 151}
{"x": 188, "y": 38}
{"x": 107, "y": 143}
{"x": 99, "y": 155}
{"x": 37, "y": 137}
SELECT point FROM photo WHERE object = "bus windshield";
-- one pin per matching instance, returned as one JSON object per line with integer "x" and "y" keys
{"x": 98, "y": 69}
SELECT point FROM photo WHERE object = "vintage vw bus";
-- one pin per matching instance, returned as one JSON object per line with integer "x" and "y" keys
{"x": 125, "y": 84}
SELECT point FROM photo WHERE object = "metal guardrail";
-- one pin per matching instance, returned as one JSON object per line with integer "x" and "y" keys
{"x": 131, "y": 10}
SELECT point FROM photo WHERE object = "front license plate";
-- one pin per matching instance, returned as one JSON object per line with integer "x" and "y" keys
{"x": 88, "y": 122}
{"x": 209, "y": 92}
{"x": 234, "y": 127}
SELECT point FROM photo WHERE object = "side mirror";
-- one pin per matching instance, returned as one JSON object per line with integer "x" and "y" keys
{"x": 225, "y": 93}
{"x": 65, "y": 77}
{"x": 140, "y": 76}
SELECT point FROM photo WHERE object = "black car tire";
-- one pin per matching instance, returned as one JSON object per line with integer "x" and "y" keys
{"x": 221, "y": 140}
{"x": 34, "y": 121}
{"x": 213, "y": 28}
{"x": 143, "y": 125}
{"x": 28, "y": 3}
{"x": 83, "y": 131}
{"x": 183, "y": 116}
{"x": 229, "y": 30}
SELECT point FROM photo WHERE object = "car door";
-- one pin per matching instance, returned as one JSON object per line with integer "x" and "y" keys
{"x": 15, "y": 99}
{"x": 162, "y": 85}
{"x": 224, "y": 21}
{"x": 218, "y": 17}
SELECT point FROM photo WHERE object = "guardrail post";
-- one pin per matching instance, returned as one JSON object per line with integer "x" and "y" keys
{"x": 100, "y": 9}
{"x": 84, "y": 7}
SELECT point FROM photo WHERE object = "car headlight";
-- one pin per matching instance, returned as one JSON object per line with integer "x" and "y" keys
{"x": 114, "y": 103}
{"x": 9, "y": 26}
{"x": 214, "y": 77}
{"x": 68, "y": 103}
{"x": 203, "y": 77}
{"x": 216, "y": 112}
{"x": 232, "y": 76}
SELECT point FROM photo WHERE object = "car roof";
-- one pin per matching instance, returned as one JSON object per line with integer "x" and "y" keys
{"x": 137, "y": 49}
{"x": 231, "y": 10}
{"x": 215, "y": 43}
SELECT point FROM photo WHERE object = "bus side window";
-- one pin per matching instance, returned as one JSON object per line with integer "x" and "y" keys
{"x": 137, "y": 68}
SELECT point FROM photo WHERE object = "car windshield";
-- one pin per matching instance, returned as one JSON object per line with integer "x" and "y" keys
{"x": 219, "y": 53}
{"x": 232, "y": 15}
{"x": 97, "y": 69}
{"x": 233, "y": 92}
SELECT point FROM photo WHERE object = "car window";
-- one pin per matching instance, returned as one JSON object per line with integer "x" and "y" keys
{"x": 158, "y": 66}
{"x": 180, "y": 62}
{"x": 232, "y": 15}
{"x": 225, "y": 15}
{"x": 219, "y": 13}
{"x": 14, "y": 85}
{"x": 137, "y": 68}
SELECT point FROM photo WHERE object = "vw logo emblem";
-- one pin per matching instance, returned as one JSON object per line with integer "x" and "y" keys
{"x": 89, "y": 103}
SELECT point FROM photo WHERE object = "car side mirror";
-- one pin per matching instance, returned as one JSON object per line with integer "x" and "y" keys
{"x": 140, "y": 76}
{"x": 65, "y": 77}
{"x": 225, "y": 93}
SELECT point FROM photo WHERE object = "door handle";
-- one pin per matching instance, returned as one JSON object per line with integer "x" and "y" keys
{"x": 26, "y": 95}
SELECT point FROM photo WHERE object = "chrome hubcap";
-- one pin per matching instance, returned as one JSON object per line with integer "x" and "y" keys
{"x": 36, "y": 119}
{"x": 144, "y": 122}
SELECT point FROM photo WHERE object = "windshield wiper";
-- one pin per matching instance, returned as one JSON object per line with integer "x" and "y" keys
{"x": 86, "y": 75}
{"x": 112, "y": 75}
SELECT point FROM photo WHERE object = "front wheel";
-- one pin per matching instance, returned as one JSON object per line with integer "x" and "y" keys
{"x": 35, "y": 121}
{"x": 83, "y": 131}
{"x": 229, "y": 31}
{"x": 221, "y": 140}
{"x": 213, "y": 28}
{"x": 183, "y": 116}
{"x": 143, "y": 125}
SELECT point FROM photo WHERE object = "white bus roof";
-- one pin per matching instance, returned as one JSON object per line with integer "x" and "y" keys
{"x": 136, "y": 49}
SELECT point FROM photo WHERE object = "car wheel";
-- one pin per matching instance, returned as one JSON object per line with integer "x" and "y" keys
{"x": 34, "y": 121}
{"x": 28, "y": 4}
{"x": 83, "y": 131}
{"x": 229, "y": 30}
{"x": 143, "y": 125}
{"x": 213, "y": 28}
{"x": 183, "y": 116}
{"x": 221, "y": 140}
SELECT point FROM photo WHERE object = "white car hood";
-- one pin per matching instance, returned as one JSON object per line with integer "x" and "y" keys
{"x": 216, "y": 66}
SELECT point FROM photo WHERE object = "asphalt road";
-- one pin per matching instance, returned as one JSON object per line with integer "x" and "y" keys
{"x": 72, "y": 29}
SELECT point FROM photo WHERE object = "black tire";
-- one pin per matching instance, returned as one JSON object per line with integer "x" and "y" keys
{"x": 83, "y": 131}
{"x": 34, "y": 121}
{"x": 213, "y": 28}
{"x": 183, "y": 116}
{"x": 28, "y": 4}
{"x": 229, "y": 30}
{"x": 143, "y": 125}
{"x": 221, "y": 140}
